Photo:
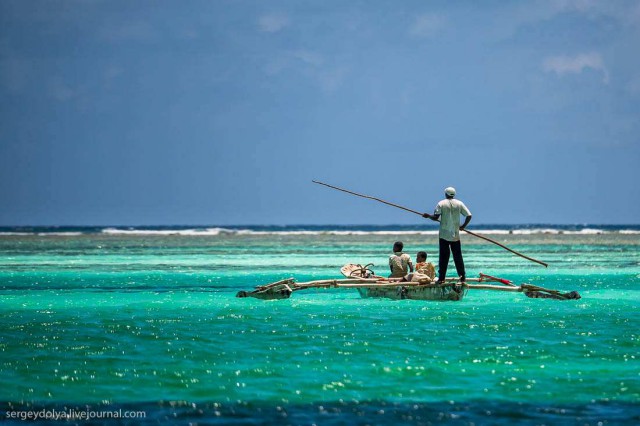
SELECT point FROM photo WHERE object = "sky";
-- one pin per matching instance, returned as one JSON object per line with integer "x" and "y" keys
{"x": 223, "y": 112}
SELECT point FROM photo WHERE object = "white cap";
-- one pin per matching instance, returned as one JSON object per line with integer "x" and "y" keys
{"x": 450, "y": 191}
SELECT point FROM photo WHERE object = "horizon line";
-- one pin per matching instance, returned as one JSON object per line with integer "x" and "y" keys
{"x": 312, "y": 225}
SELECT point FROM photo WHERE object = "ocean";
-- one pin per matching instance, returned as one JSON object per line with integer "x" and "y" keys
{"x": 112, "y": 322}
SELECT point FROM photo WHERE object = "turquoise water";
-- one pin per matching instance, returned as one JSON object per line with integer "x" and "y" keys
{"x": 150, "y": 321}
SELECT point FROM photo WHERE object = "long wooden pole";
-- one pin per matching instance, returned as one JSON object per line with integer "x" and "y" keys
{"x": 366, "y": 196}
{"x": 505, "y": 247}
{"x": 418, "y": 213}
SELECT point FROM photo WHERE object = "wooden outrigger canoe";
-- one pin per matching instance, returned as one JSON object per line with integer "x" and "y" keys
{"x": 416, "y": 286}
{"x": 390, "y": 288}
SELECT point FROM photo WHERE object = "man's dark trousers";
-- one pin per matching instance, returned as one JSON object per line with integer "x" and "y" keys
{"x": 446, "y": 247}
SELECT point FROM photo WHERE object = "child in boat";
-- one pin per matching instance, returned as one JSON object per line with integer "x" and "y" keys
{"x": 424, "y": 267}
{"x": 399, "y": 263}
{"x": 425, "y": 271}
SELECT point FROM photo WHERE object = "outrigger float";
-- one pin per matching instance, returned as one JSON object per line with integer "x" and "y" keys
{"x": 371, "y": 286}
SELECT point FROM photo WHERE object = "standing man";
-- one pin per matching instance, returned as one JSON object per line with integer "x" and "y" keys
{"x": 448, "y": 211}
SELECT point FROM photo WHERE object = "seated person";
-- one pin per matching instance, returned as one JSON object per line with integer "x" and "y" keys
{"x": 425, "y": 271}
{"x": 399, "y": 263}
{"x": 424, "y": 267}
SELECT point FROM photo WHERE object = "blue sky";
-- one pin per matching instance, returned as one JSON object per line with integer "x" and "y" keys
{"x": 222, "y": 112}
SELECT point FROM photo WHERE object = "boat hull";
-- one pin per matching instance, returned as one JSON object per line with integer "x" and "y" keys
{"x": 443, "y": 293}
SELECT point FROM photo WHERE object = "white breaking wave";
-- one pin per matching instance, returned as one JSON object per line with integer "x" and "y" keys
{"x": 337, "y": 232}
{"x": 58, "y": 234}
{"x": 218, "y": 231}
{"x": 587, "y": 231}
{"x": 552, "y": 231}
{"x": 208, "y": 231}
{"x": 346, "y": 232}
